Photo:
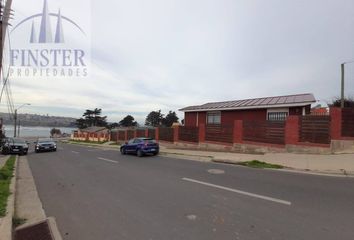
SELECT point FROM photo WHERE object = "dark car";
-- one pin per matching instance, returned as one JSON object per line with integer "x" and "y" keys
{"x": 140, "y": 147}
{"x": 14, "y": 146}
{"x": 45, "y": 145}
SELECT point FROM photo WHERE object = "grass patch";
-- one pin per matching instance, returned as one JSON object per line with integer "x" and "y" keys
{"x": 114, "y": 144}
{"x": 18, "y": 221}
{"x": 259, "y": 164}
{"x": 6, "y": 174}
{"x": 87, "y": 142}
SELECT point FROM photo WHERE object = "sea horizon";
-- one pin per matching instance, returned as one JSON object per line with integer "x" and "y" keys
{"x": 34, "y": 131}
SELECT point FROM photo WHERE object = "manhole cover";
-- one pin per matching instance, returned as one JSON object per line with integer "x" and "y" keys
{"x": 216, "y": 171}
{"x": 191, "y": 217}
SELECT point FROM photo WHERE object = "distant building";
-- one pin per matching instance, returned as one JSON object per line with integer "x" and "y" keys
{"x": 267, "y": 108}
{"x": 94, "y": 134}
{"x": 320, "y": 111}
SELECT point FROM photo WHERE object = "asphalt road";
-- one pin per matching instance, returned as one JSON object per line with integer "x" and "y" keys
{"x": 102, "y": 195}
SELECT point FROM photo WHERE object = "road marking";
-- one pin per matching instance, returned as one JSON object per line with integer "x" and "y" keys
{"x": 216, "y": 171}
{"x": 107, "y": 160}
{"x": 240, "y": 192}
{"x": 75, "y": 152}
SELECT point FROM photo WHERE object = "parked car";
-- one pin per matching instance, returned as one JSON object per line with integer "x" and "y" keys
{"x": 140, "y": 147}
{"x": 45, "y": 145}
{"x": 14, "y": 146}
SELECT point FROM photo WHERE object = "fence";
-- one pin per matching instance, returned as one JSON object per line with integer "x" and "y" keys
{"x": 114, "y": 136}
{"x": 140, "y": 133}
{"x": 166, "y": 134}
{"x": 152, "y": 133}
{"x": 348, "y": 122}
{"x": 219, "y": 133}
{"x": 315, "y": 129}
{"x": 121, "y": 135}
{"x": 296, "y": 130}
{"x": 272, "y": 132}
{"x": 130, "y": 134}
{"x": 188, "y": 134}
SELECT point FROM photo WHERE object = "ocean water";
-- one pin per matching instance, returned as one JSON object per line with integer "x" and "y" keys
{"x": 34, "y": 131}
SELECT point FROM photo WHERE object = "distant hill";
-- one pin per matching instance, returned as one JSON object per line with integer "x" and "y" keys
{"x": 32, "y": 120}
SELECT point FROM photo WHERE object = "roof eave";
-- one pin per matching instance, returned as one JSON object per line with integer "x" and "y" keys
{"x": 250, "y": 107}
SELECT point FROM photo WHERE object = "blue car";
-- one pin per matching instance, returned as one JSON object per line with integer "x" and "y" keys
{"x": 140, "y": 147}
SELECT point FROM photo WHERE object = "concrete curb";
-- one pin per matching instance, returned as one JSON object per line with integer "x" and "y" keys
{"x": 6, "y": 222}
{"x": 187, "y": 157}
{"x": 54, "y": 228}
{"x": 291, "y": 170}
{"x": 110, "y": 147}
{"x": 28, "y": 204}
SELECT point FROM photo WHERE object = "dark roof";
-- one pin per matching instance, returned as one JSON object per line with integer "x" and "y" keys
{"x": 93, "y": 129}
{"x": 266, "y": 102}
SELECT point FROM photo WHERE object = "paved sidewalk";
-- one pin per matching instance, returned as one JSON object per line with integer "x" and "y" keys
{"x": 332, "y": 164}
{"x": 28, "y": 204}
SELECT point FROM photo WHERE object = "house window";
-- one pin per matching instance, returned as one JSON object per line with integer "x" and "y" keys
{"x": 277, "y": 116}
{"x": 213, "y": 118}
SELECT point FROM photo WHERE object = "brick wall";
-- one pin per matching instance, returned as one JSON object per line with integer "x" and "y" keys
{"x": 292, "y": 130}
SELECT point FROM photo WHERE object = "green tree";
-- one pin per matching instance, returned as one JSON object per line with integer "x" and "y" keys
{"x": 55, "y": 131}
{"x": 81, "y": 123}
{"x": 348, "y": 102}
{"x": 98, "y": 120}
{"x": 88, "y": 117}
{"x": 92, "y": 118}
{"x": 112, "y": 125}
{"x": 170, "y": 119}
{"x": 128, "y": 121}
{"x": 154, "y": 118}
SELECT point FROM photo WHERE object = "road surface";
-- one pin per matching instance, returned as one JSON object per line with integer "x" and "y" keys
{"x": 99, "y": 194}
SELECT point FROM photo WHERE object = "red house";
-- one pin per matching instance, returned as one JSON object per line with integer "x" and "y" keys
{"x": 267, "y": 108}
{"x": 94, "y": 134}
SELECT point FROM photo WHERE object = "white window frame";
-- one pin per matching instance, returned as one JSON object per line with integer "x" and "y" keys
{"x": 215, "y": 113}
{"x": 277, "y": 110}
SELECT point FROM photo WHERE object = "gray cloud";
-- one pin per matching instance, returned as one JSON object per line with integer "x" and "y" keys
{"x": 167, "y": 54}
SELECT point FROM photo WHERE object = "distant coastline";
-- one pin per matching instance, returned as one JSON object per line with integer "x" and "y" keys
{"x": 34, "y": 131}
{"x": 36, "y": 120}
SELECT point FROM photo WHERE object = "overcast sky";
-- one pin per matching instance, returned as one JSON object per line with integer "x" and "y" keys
{"x": 169, "y": 54}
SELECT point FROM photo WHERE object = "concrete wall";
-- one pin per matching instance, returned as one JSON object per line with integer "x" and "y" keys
{"x": 228, "y": 117}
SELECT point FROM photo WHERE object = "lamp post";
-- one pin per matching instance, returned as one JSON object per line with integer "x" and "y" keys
{"x": 342, "y": 83}
{"x": 15, "y": 117}
{"x": 342, "y": 86}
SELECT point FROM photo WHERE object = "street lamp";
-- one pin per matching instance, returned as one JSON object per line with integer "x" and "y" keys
{"x": 342, "y": 83}
{"x": 15, "y": 117}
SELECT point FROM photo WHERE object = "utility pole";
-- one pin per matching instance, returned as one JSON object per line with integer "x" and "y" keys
{"x": 342, "y": 86}
{"x": 15, "y": 119}
{"x": 4, "y": 22}
{"x": 15, "y": 123}
{"x": 18, "y": 127}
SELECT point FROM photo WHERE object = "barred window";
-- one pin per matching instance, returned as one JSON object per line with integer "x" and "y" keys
{"x": 214, "y": 118}
{"x": 277, "y": 116}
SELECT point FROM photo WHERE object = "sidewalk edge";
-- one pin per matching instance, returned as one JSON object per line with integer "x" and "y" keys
{"x": 291, "y": 170}
{"x": 6, "y": 222}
